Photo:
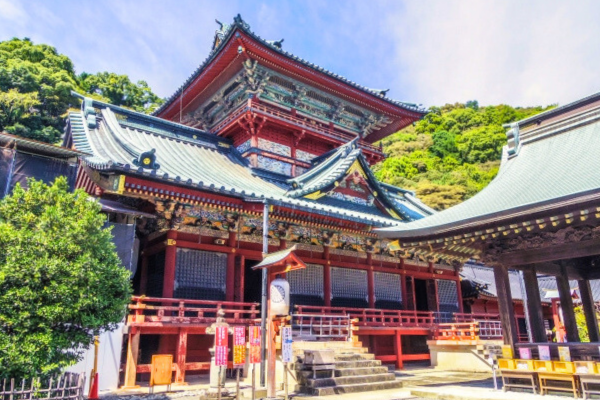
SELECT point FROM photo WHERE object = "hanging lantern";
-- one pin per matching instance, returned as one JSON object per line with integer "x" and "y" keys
{"x": 280, "y": 297}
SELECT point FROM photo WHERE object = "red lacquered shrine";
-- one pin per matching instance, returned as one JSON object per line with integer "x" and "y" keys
{"x": 255, "y": 124}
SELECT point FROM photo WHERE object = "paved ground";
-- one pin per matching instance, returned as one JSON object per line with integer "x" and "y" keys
{"x": 419, "y": 383}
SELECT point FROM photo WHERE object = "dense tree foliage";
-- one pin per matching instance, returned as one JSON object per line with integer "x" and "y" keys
{"x": 61, "y": 281}
{"x": 119, "y": 90}
{"x": 451, "y": 154}
{"x": 35, "y": 90}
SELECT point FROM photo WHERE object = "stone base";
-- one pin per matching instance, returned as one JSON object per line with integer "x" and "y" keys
{"x": 461, "y": 356}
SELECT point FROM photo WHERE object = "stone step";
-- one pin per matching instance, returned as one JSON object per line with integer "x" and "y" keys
{"x": 311, "y": 345}
{"x": 358, "y": 350}
{"x": 357, "y": 364}
{"x": 354, "y": 356}
{"x": 305, "y": 375}
{"x": 349, "y": 380}
{"x": 360, "y": 387}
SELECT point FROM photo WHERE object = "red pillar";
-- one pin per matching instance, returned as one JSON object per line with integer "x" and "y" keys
{"x": 371, "y": 280}
{"x": 371, "y": 287}
{"x": 326, "y": 278}
{"x": 405, "y": 301}
{"x": 398, "y": 350}
{"x": 230, "y": 278}
{"x": 170, "y": 260}
{"x": 181, "y": 353}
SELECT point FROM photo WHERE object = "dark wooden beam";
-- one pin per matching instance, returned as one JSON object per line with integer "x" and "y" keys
{"x": 548, "y": 254}
{"x": 534, "y": 306}
{"x": 589, "y": 310}
{"x": 566, "y": 305}
{"x": 505, "y": 304}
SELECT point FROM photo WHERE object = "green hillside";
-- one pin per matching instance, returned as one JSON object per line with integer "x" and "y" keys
{"x": 35, "y": 90}
{"x": 452, "y": 153}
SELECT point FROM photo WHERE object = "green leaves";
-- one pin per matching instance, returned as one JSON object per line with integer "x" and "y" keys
{"x": 452, "y": 153}
{"x": 60, "y": 279}
{"x": 35, "y": 90}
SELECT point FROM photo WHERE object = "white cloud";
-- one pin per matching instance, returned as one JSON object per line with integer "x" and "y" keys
{"x": 12, "y": 12}
{"x": 520, "y": 53}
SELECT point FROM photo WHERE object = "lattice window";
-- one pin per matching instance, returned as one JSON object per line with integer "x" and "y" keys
{"x": 447, "y": 295}
{"x": 306, "y": 285}
{"x": 388, "y": 290}
{"x": 349, "y": 287}
{"x": 200, "y": 275}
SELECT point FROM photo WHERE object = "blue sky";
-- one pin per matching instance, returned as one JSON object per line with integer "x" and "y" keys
{"x": 425, "y": 51}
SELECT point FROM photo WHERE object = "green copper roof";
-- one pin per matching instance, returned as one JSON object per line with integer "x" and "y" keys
{"x": 545, "y": 168}
{"x": 119, "y": 140}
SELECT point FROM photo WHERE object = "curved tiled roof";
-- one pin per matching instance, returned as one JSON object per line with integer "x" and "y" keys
{"x": 114, "y": 137}
{"x": 552, "y": 166}
{"x": 239, "y": 23}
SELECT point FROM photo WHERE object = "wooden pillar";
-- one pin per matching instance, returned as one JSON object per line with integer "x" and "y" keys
{"x": 282, "y": 244}
{"x": 432, "y": 295}
{"x": 566, "y": 305}
{"x": 505, "y": 305}
{"x": 181, "y": 353}
{"x": 404, "y": 293}
{"x": 133, "y": 347}
{"x": 230, "y": 276}
{"x": 398, "y": 350}
{"x": 534, "y": 306}
{"x": 589, "y": 310}
{"x": 170, "y": 265}
{"x": 326, "y": 278}
{"x": 371, "y": 287}
{"x": 144, "y": 275}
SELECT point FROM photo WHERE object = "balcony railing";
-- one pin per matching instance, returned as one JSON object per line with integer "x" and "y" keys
{"x": 155, "y": 310}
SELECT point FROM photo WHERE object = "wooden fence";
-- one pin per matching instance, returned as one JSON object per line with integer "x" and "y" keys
{"x": 68, "y": 386}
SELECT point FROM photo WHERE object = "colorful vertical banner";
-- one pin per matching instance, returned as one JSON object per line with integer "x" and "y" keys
{"x": 239, "y": 346}
{"x": 254, "y": 337}
{"x": 221, "y": 346}
{"x": 286, "y": 344}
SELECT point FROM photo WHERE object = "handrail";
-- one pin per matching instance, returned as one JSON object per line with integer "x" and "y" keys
{"x": 294, "y": 120}
{"x": 147, "y": 310}
{"x": 319, "y": 326}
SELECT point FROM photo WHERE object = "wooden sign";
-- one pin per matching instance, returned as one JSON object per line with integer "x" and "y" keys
{"x": 161, "y": 370}
{"x": 544, "y": 353}
{"x": 221, "y": 346}
{"x": 524, "y": 353}
{"x": 254, "y": 337}
{"x": 564, "y": 353}
{"x": 239, "y": 346}
{"x": 507, "y": 352}
{"x": 286, "y": 344}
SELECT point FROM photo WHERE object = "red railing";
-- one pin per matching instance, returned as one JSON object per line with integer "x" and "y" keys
{"x": 371, "y": 317}
{"x": 147, "y": 310}
{"x": 295, "y": 121}
{"x": 474, "y": 330}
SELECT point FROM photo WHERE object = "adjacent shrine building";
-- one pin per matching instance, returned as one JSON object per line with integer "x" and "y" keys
{"x": 256, "y": 125}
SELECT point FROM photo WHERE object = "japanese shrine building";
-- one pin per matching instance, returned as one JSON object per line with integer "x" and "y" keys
{"x": 255, "y": 125}
{"x": 540, "y": 215}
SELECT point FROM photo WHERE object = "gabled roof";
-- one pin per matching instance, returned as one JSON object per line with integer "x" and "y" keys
{"x": 229, "y": 32}
{"x": 330, "y": 169}
{"x": 120, "y": 140}
{"x": 543, "y": 170}
{"x": 36, "y": 147}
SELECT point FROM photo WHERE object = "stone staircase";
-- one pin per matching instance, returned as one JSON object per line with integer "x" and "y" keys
{"x": 356, "y": 370}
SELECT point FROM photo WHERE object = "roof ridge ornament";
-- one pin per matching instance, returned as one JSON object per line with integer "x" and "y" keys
{"x": 240, "y": 22}
{"x": 514, "y": 139}
{"x": 276, "y": 43}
